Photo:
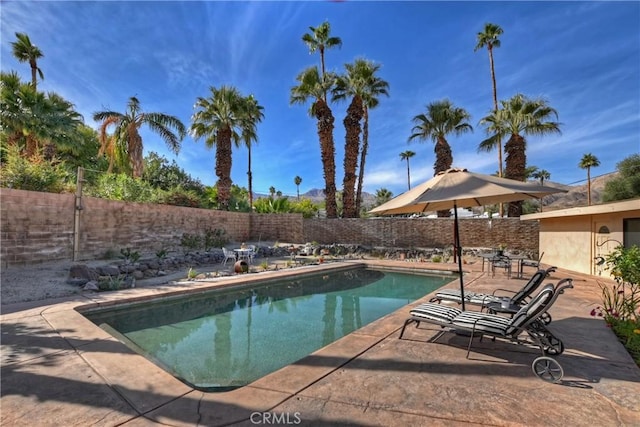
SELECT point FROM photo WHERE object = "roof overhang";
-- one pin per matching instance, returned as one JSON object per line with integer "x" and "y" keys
{"x": 605, "y": 208}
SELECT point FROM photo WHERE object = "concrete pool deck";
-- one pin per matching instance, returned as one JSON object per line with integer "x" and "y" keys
{"x": 60, "y": 369}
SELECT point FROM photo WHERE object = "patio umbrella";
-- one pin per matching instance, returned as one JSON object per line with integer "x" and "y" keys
{"x": 456, "y": 188}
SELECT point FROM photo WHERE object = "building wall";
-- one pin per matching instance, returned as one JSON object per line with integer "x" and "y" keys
{"x": 574, "y": 242}
{"x": 37, "y": 227}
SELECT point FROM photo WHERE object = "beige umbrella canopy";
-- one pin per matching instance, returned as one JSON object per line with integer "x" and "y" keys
{"x": 463, "y": 189}
{"x": 459, "y": 188}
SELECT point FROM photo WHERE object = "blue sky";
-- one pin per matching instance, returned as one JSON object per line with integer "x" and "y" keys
{"x": 583, "y": 57}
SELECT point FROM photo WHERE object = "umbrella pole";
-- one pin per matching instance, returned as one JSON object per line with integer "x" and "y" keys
{"x": 458, "y": 250}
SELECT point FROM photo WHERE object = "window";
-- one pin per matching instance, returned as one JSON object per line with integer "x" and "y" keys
{"x": 631, "y": 232}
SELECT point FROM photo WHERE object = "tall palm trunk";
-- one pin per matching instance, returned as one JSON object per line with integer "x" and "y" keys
{"x": 351, "y": 149}
{"x": 444, "y": 160}
{"x": 363, "y": 157}
{"x": 516, "y": 162}
{"x": 250, "y": 177}
{"x": 495, "y": 108}
{"x": 31, "y": 146}
{"x": 588, "y": 186}
{"x": 34, "y": 71}
{"x": 327, "y": 153}
{"x": 135, "y": 155}
{"x": 223, "y": 167}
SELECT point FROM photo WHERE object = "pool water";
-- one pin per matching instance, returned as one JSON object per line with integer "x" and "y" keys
{"x": 220, "y": 340}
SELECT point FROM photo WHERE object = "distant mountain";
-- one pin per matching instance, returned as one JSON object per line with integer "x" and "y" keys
{"x": 317, "y": 195}
{"x": 577, "y": 195}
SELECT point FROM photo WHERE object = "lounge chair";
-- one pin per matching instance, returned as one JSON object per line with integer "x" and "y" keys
{"x": 519, "y": 297}
{"x": 528, "y": 320}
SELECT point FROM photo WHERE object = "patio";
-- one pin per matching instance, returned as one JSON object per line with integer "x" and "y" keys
{"x": 59, "y": 369}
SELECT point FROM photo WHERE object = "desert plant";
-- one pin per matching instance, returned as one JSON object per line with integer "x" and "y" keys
{"x": 264, "y": 265}
{"x": 162, "y": 254}
{"x": 214, "y": 238}
{"x": 129, "y": 256}
{"x": 190, "y": 242}
{"x": 622, "y": 300}
{"x": 436, "y": 258}
{"x": 192, "y": 273}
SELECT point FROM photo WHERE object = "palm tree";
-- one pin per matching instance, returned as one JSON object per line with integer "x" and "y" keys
{"x": 25, "y": 51}
{"x": 541, "y": 174}
{"x": 441, "y": 119}
{"x": 127, "y": 135}
{"x": 352, "y": 85}
{"x": 587, "y": 162}
{"x": 272, "y": 191}
{"x": 319, "y": 39}
{"x": 406, "y": 155}
{"x": 312, "y": 86}
{"x": 252, "y": 116}
{"x": 374, "y": 88}
{"x": 297, "y": 180}
{"x": 489, "y": 38}
{"x": 32, "y": 119}
{"x": 222, "y": 120}
{"x": 519, "y": 116}
{"x": 382, "y": 196}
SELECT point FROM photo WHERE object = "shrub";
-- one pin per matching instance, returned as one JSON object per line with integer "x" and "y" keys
{"x": 622, "y": 300}
{"x": 35, "y": 174}
{"x": 122, "y": 187}
{"x": 180, "y": 197}
{"x": 214, "y": 238}
{"x": 190, "y": 242}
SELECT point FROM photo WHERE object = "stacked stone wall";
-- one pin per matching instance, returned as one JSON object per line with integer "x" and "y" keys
{"x": 38, "y": 227}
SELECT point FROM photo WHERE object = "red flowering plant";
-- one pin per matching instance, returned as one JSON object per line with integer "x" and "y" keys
{"x": 621, "y": 301}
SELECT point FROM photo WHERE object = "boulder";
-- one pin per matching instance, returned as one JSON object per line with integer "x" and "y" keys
{"x": 80, "y": 274}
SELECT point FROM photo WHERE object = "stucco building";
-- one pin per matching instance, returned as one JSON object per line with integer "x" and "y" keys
{"x": 578, "y": 238}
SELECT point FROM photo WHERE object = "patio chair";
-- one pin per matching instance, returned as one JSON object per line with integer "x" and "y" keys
{"x": 526, "y": 320}
{"x": 530, "y": 263}
{"x": 228, "y": 255}
{"x": 484, "y": 300}
{"x": 500, "y": 261}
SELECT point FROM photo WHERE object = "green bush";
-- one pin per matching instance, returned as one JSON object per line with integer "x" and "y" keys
{"x": 35, "y": 174}
{"x": 180, "y": 197}
{"x": 122, "y": 187}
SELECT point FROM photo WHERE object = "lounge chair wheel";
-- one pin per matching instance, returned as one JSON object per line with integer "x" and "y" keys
{"x": 545, "y": 318}
{"x": 547, "y": 369}
{"x": 555, "y": 346}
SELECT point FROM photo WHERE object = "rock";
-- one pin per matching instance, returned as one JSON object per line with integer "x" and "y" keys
{"x": 82, "y": 271}
{"x": 91, "y": 286}
{"x": 109, "y": 270}
{"x": 162, "y": 273}
{"x": 138, "y": 274}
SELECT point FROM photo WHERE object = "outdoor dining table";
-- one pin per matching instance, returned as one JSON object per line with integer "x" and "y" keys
{"x": 488, "y": 257}
{"x": 243, "y": 253}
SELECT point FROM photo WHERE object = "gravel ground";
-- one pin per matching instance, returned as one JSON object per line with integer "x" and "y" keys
{"x": 36, "y": 282}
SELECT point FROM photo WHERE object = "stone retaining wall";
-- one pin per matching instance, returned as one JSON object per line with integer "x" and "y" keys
{"x": 38, "y": 227}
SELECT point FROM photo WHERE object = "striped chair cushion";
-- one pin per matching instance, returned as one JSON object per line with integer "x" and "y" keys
{"x": 470, "y": 297}
{"x": 435, "y": 312}
{"x": 489, "y": 323}
{"x": 527, "y": 312}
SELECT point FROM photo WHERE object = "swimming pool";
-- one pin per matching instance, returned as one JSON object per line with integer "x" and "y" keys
{"x": 224, "y": 339}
